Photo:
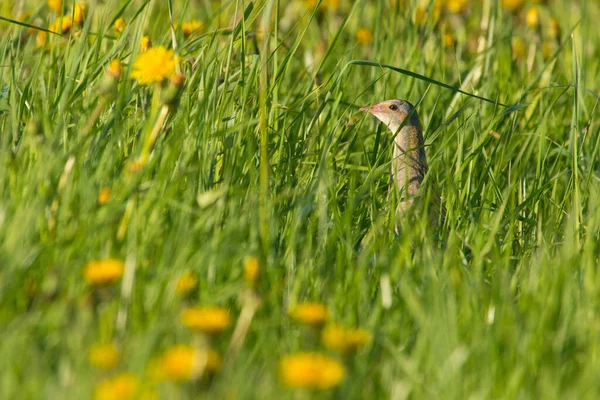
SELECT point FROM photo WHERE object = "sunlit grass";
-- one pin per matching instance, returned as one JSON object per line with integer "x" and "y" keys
{"x": 252, "y": 186}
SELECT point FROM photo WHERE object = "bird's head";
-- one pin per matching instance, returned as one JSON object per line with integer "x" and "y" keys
{"x": 391, "y": 112}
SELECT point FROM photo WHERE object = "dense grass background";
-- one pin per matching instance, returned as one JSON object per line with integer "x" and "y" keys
{"x": 498, "y": 300}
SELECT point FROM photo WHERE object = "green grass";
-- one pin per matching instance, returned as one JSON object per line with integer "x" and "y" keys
{"x": 267, "y": 155}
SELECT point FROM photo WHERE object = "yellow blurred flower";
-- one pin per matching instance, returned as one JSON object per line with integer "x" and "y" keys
{"x": 325, "y": 4}
{"x": 421, "y": 12}
{"x": 449, "y": 39}
{"x": 61, "y": 25}
{"x": 190, "y": 27}
{"x": 209, "y": 319}
{"x": 154, "y": 65}
{"x": 456, "y": 6}
{"x": 310, "y": 313}
{"x": 185, "y": 283}
{"x": 104, "y": 195}
{"x": 554, "y": 30}
{"x": 119, "y": 25}
{"x": 519, "y": 48}
{"x": 338, "y": 338}
{"x": 79, "y": 12}
{"x": 124, "y": 386}
{"x": 251, "y": 270}
{"x": 145, "y": 43}
{"x": 56, "y": 5}
{"x": 40, "y": 39}
{"x": 364, "y": 36}
{"x": 105, "y": 356}
{"x": 547, "y": 50}
{"x": 182, "y": 363}
{"x": 512, "y": 5}
{"x": 419, "y": 15}
{"x": 533, "y": 17}
{"x": 114, "y": 69}
{"x": 310, "y": 370}
{"x": 103, "y": 272}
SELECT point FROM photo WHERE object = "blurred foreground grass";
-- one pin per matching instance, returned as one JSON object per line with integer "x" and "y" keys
{"x": 265, "y": 189}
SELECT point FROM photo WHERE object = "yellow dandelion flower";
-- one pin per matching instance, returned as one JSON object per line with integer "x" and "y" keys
{"x": 533, "y": 17}
{"x": 61, "y": 25}
{"x": 251, "y": 270}
{"x": 310, "y": 370}
{"x": 190, "y": 27}
{"x": 104, "y": 195}
{"x": 554, "y": 30}
{"x": 105, "y": 356}
{"x": 338, "y": 338}
{"x": 209, "y": 319}
{"x": 124, "y": 386}
{"x": 364, "y": 36}
{"x": 145, "y": 43}
{"x": 154, "y": 65}
{"x": 512, "y": 5}
{"x": 103, "y": 272}
{"x": 56, "y": 5}
{"x": 519, "y": 48}
{"x": 310, "y": 313}
{"x": 79, "y": 12}
{"x": 456, "y": 6}
{"x": 182, "y": 363}
{"x": 185, "y": 283}
{"x": 119, "y": 25}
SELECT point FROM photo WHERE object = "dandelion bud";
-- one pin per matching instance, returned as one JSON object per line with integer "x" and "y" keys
{"x": 190, "y": 27}
{"x": 40, "y": 38}
{"x": 79, "y": 12}
{"x": 119, "y": 25}
{"x": 519, "y": 49}
{"x": 512, "y": 5}
{"x": 554, "y": 29}
{"x": 104, "y": 356}
{"x": 456, "y": 6}
{"x": 172, "y": 93}
{"x": 186, "y": 283}
{"x": 55, "y": 5}
{"x": 145, "y": 43}
{"x": 314, "y": 314}
{"x": 109, "y": 83}
{"x": 103, "y": 272}
{"x": 364, "y": 36}
{"x": 104, "y": 195}
{"x": 449, "y": 39}
{"x": 251, "y": 270}
{"x": 33, "y": 128}
{"x": 533, "y": 17}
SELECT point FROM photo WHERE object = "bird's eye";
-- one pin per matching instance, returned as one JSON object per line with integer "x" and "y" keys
{"x": 393, "y": 107}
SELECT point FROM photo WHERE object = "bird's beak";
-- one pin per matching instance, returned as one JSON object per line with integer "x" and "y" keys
{"x": 373, "y": 109}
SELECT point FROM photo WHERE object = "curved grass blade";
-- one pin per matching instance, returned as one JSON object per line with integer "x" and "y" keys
{"x": 423, "y": 78}
{"x": 39, "y": 28}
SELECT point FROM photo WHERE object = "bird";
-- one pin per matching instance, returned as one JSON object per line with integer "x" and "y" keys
{"x": 409, "y": 161}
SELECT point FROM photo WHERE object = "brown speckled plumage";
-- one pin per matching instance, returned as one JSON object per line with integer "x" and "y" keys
{"x": 409, "y": 163}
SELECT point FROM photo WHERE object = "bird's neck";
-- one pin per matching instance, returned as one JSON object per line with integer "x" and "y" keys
{"x": 409, "y": 162}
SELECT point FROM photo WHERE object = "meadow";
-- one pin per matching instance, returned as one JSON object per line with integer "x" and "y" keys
{"x": 192, "y": 206}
